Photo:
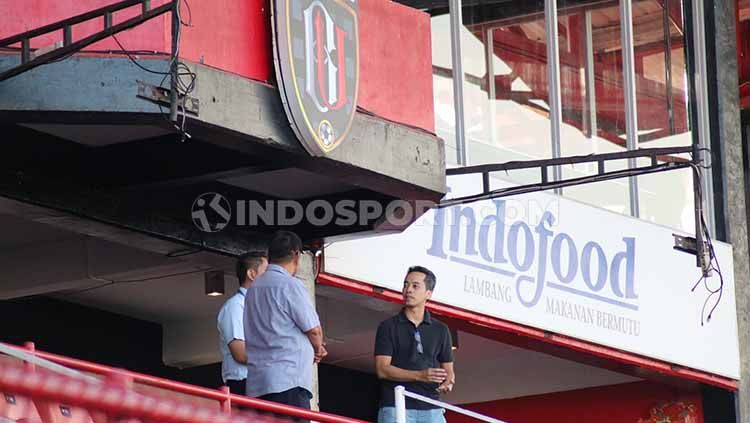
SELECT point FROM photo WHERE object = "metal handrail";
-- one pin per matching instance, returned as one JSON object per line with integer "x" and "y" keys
{"x": 102, "y": 400}
{"x": 400, "y": 402}
{"x": 74, "y": 20}
{"x": 71, "y": 47}
{"x": 33, "y": 361}
{"x": 223, "y": 396}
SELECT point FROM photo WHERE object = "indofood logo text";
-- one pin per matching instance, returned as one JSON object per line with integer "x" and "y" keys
{"x": 535, "y": 256}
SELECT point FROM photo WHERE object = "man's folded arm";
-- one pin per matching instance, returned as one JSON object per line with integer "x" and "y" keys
{"x": 385, "y": 370}
{"x": 315, "y": 335}
{"x": 237, "y": 349}
{"x": 232, "y": 327}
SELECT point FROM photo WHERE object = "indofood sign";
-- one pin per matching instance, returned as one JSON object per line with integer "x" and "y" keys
{"x": 562, "y": 266}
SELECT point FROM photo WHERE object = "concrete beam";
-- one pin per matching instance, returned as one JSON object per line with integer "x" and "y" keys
{"x": 101, "y": 215}
{"x": 306, "y": 274}
{"x": 80, "y": 84}
{"x": 88, "y": 227}
{"x": 378, "y": 154}
{"x": 234, "y": 112}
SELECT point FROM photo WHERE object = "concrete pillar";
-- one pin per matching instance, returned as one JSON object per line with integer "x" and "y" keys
{"x": 306, "y": 273}
{"x": 720, "y": 14}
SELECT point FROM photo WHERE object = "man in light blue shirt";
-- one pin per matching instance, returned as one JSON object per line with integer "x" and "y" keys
{"x": 284, "y": 337}
{"x": 230, "y": 323}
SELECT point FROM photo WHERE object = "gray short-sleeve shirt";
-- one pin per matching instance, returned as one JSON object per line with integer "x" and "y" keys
{"x": 279, "y": 312}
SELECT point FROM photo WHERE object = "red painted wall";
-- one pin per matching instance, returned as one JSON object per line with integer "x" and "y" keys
{"x": 19, "y": 16}
{"x": 230, "y": 35}
{"x": 396, "y": 63}
{"x": 625, "y": 403}
{"x": 234, "y": 35}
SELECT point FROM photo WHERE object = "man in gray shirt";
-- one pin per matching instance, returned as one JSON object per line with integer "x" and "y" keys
{"x": 282, "y": 330}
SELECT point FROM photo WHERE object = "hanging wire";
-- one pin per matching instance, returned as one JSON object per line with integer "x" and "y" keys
{"x": 714, "y": 265}
{"x": 184, "y": 89}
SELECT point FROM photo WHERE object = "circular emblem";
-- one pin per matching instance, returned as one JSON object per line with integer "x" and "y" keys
{"x": 326, "y": 133}
{"x": 211, "y": 212}
{"x": 316, "y": 48}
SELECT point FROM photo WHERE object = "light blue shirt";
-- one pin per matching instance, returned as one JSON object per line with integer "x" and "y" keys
{"x": 280, "y": 356}
{"x": 231, "y": 327}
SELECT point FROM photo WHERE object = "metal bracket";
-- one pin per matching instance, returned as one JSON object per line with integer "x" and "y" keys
{"x": 688, "y": 244}
{"x": 653, "y": 154}
{"x": 698, "y": 246}
{"x": 160, "y": 96}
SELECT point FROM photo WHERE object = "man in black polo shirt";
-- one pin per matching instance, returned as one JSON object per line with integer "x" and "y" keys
{"x": 414, "y": 350}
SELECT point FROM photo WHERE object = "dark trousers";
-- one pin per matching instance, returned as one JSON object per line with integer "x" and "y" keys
{"x": 296, "y": 397}
{"x": 237, "y": 386}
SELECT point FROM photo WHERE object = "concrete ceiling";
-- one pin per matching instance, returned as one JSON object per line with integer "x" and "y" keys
{"x": 290, "y": 183}
{"x": 17, "y": 233}
{"x": 100, "y": 135}
{"x": 38, "y": 259}
{"x": 156, "y": 298}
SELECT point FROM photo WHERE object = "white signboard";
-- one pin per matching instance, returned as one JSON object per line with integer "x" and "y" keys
{"x": 562, "y": 266}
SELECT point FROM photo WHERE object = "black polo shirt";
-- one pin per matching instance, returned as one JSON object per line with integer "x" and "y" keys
{"x": 396, "y": 338}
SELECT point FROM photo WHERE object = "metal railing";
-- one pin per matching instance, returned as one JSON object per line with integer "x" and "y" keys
{"x": 66, "y": 26}
{"x": 400, "y": 402}
{"x": 114, "y": 394}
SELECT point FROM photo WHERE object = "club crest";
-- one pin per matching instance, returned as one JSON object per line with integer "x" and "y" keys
{"x": 316, "y": 48}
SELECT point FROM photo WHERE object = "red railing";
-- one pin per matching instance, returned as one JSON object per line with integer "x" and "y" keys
{"x": 114, "y": 396}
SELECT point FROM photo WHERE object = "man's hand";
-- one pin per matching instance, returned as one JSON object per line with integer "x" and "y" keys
{"x": 433, "y": 375}
{"x": 320, "y": 353}
{"x": 315, "y": 335}
{"x": 450, "y": 378}
{"x": 445, "y": 387}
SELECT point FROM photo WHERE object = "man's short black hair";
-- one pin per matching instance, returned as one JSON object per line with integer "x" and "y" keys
{"x": 283, "y": 246}
{"x": 248, "y": 261}
{"x": 429, "y": 278}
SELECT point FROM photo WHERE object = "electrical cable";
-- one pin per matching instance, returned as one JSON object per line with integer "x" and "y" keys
{"x": 184, "y": 89}
{"x": 190, "y": 14}
{"x": 127, "y": 281}
{"x": 135, "y": 62}
{"x": 110, "y": 282}
{"x": 713, "y": 260}
{"x": 181, "y": 69}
